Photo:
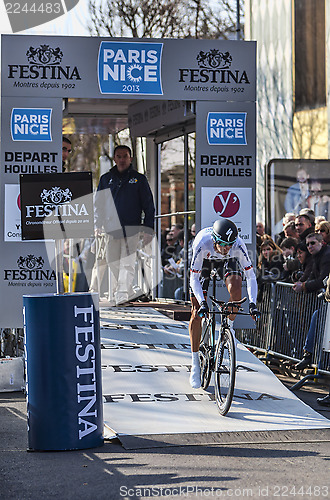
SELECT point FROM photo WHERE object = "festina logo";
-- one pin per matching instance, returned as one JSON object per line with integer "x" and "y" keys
{"x": 213, "y": 67}
{"x": 85, "y": 369}
{"x": 66, "y": 210}
{"x": 43, "y": 62}
{"x": 29, "y": 268}
{"x": 56, "y": 202}
{"x": 56, "y": 195}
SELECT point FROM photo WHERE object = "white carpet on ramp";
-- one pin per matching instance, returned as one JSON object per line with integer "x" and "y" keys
{"x": 145, "y": 375}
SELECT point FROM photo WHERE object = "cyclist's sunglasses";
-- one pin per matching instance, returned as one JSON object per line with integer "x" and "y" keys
{"x": 223, "y": 243}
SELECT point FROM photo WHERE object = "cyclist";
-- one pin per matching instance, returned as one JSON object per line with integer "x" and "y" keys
{"x": 221, "y": 246}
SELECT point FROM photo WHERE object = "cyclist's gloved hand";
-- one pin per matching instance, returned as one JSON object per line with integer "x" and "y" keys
{"x": 204, "y": 309}
{"x": 254, "y": 311}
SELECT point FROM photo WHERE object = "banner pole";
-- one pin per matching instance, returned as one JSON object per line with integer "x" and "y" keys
{"x": 70, "y": 265}
{"x": 59, "y": 267}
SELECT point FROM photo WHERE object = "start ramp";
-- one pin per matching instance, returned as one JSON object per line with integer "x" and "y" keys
{"x": 147, "y": 397}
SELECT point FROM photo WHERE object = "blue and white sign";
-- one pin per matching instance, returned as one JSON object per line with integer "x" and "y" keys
{"x": 130, "y": 68}
{"x": 31, "y": 124}
{"x": 226, "y": 129}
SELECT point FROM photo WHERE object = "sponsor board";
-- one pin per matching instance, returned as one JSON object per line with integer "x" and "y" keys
{"x": 29, "y": 270}
{"x": 28, "y": 124}
{"x": 225, "y": 166}
{"x": 215, "y": 66}
{"x": 66, "y": 415}
{"x": 130, "y": 68}
{"x": 43, "y": 68}
{"x": 226, "y": 129}
{"x": 216, "y": 72}
{"x": 222, "y": 165}
{"x": 85, "y": 67}
{"x": 228, "y": 203}
{"x": 57, "y": 206}
{"x": 88, "y": 405}
{"x": 30, "y": 162}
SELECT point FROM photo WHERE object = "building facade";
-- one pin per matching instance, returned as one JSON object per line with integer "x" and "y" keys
{"x": 293, "y": 48}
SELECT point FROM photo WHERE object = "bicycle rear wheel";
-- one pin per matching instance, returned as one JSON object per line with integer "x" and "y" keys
{"x": 225, "y": 371}
{"x": 205, "y": 349}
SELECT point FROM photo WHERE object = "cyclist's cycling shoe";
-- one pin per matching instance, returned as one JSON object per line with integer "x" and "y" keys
{"x": 305, "y": 362}
{"x": 195, "y": 377}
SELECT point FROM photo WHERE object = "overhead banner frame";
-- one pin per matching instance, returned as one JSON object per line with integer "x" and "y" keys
{"x": 93, "y": 67}
{"x": 37, "y": 72}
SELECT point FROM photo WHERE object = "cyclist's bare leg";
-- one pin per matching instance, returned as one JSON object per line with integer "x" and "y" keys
{"x": 195, "y": 326}
{"x": 234, "y": 287}
{"x": 195, "y": 330}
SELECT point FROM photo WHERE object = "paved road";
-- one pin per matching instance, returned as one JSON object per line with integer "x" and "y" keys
{"x": 255, "y": 470}
{"x": 296, "y": 468}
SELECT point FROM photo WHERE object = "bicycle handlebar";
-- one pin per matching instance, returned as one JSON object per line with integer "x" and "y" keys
{"x": 228, "y": 308}
{"x": 223, "y": 304}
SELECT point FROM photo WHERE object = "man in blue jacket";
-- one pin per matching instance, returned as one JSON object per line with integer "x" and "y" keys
{"x": 124, "y": 207}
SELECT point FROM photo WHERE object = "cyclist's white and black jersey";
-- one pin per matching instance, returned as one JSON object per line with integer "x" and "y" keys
{"x": 203, "y": 249}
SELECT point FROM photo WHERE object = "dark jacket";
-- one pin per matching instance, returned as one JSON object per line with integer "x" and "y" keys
{"x": 307, "y": 231}
{"x": 292, "y": 266}
{"x": 304, "y": 270}
{"x": 270, "y": 271}
{"x": 131, "y": 200}
{"x": 279, "y": 238}
{"x": 321, "y": 269}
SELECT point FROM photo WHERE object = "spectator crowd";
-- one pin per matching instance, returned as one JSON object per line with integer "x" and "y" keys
{"x": 300, "y": 255}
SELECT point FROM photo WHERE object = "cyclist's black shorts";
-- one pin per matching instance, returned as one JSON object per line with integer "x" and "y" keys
{"x": 224, "y": 269}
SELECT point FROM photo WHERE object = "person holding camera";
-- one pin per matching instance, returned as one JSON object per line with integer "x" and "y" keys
{"x": 291, "y": 264}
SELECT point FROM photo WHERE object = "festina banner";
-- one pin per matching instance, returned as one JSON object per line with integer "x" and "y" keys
{"x": 63, "y": 360}
{"x": 57, "y": 206}
{"x": 50, "y": 66}
{"x": 31, "y": 142}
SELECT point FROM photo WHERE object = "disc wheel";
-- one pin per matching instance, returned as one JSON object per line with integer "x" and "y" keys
{"x": 225, "y": 371}
{"x": 205, "y": 354}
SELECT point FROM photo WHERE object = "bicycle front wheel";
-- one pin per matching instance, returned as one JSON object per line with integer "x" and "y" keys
{"x": 205, "y": 348}
{"x": 225, "y": 371}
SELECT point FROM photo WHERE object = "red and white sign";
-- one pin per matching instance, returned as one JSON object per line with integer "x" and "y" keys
{"x": 12, "y": 229}
{"x": 228, "y": 203}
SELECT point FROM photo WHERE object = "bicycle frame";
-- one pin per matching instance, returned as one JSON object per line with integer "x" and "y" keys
{"x": 219, "y": 357}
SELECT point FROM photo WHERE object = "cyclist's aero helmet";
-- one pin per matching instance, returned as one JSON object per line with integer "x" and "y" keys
{"x": 224, "y": 231}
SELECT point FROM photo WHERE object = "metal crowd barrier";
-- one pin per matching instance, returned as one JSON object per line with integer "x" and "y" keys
{"x": 11, "y": 342}
{"x": 284, "y": 324}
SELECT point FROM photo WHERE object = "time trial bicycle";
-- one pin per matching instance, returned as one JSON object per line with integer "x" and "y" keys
{"x": 218, "y": 355}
